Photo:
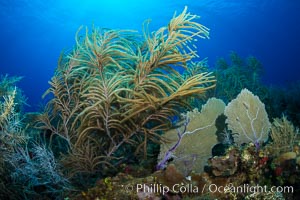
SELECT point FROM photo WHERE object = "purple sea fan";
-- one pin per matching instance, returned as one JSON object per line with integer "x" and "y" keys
{"x": 247, "y": 116}
{"x": 190, "y": 145}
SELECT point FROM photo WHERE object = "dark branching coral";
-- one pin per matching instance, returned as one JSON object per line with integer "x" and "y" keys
{"x": 36, "y": 171}
{"x": 11, "y": 133}
{"x": 26, "y": 171}
{"x": 8, "y": 85}
{"x": 238, "y": 74}
{"x": 11, "y": 126}
{"x": 114, "y": 89}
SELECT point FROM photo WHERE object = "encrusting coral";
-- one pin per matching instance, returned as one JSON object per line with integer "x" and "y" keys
{"x": 114, "y": 89}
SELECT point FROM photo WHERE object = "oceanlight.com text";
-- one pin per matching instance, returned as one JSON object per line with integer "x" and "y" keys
{"x": 246, "y": 188}
{"x": 207, "y": 188}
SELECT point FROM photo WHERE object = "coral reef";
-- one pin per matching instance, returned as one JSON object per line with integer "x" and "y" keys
{"x": 232, "y": 176}
{"x": 256, "y": 163}
{"x": 115, "y": 93}
{"x": 239, "y": 170}
{"x": 123, "y": 123}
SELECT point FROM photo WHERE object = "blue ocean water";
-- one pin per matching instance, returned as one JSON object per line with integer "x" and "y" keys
{"x": 34, "y": 32}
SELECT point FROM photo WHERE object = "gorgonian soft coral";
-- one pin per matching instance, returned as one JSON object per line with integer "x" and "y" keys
{"x": 114, "y": 89}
